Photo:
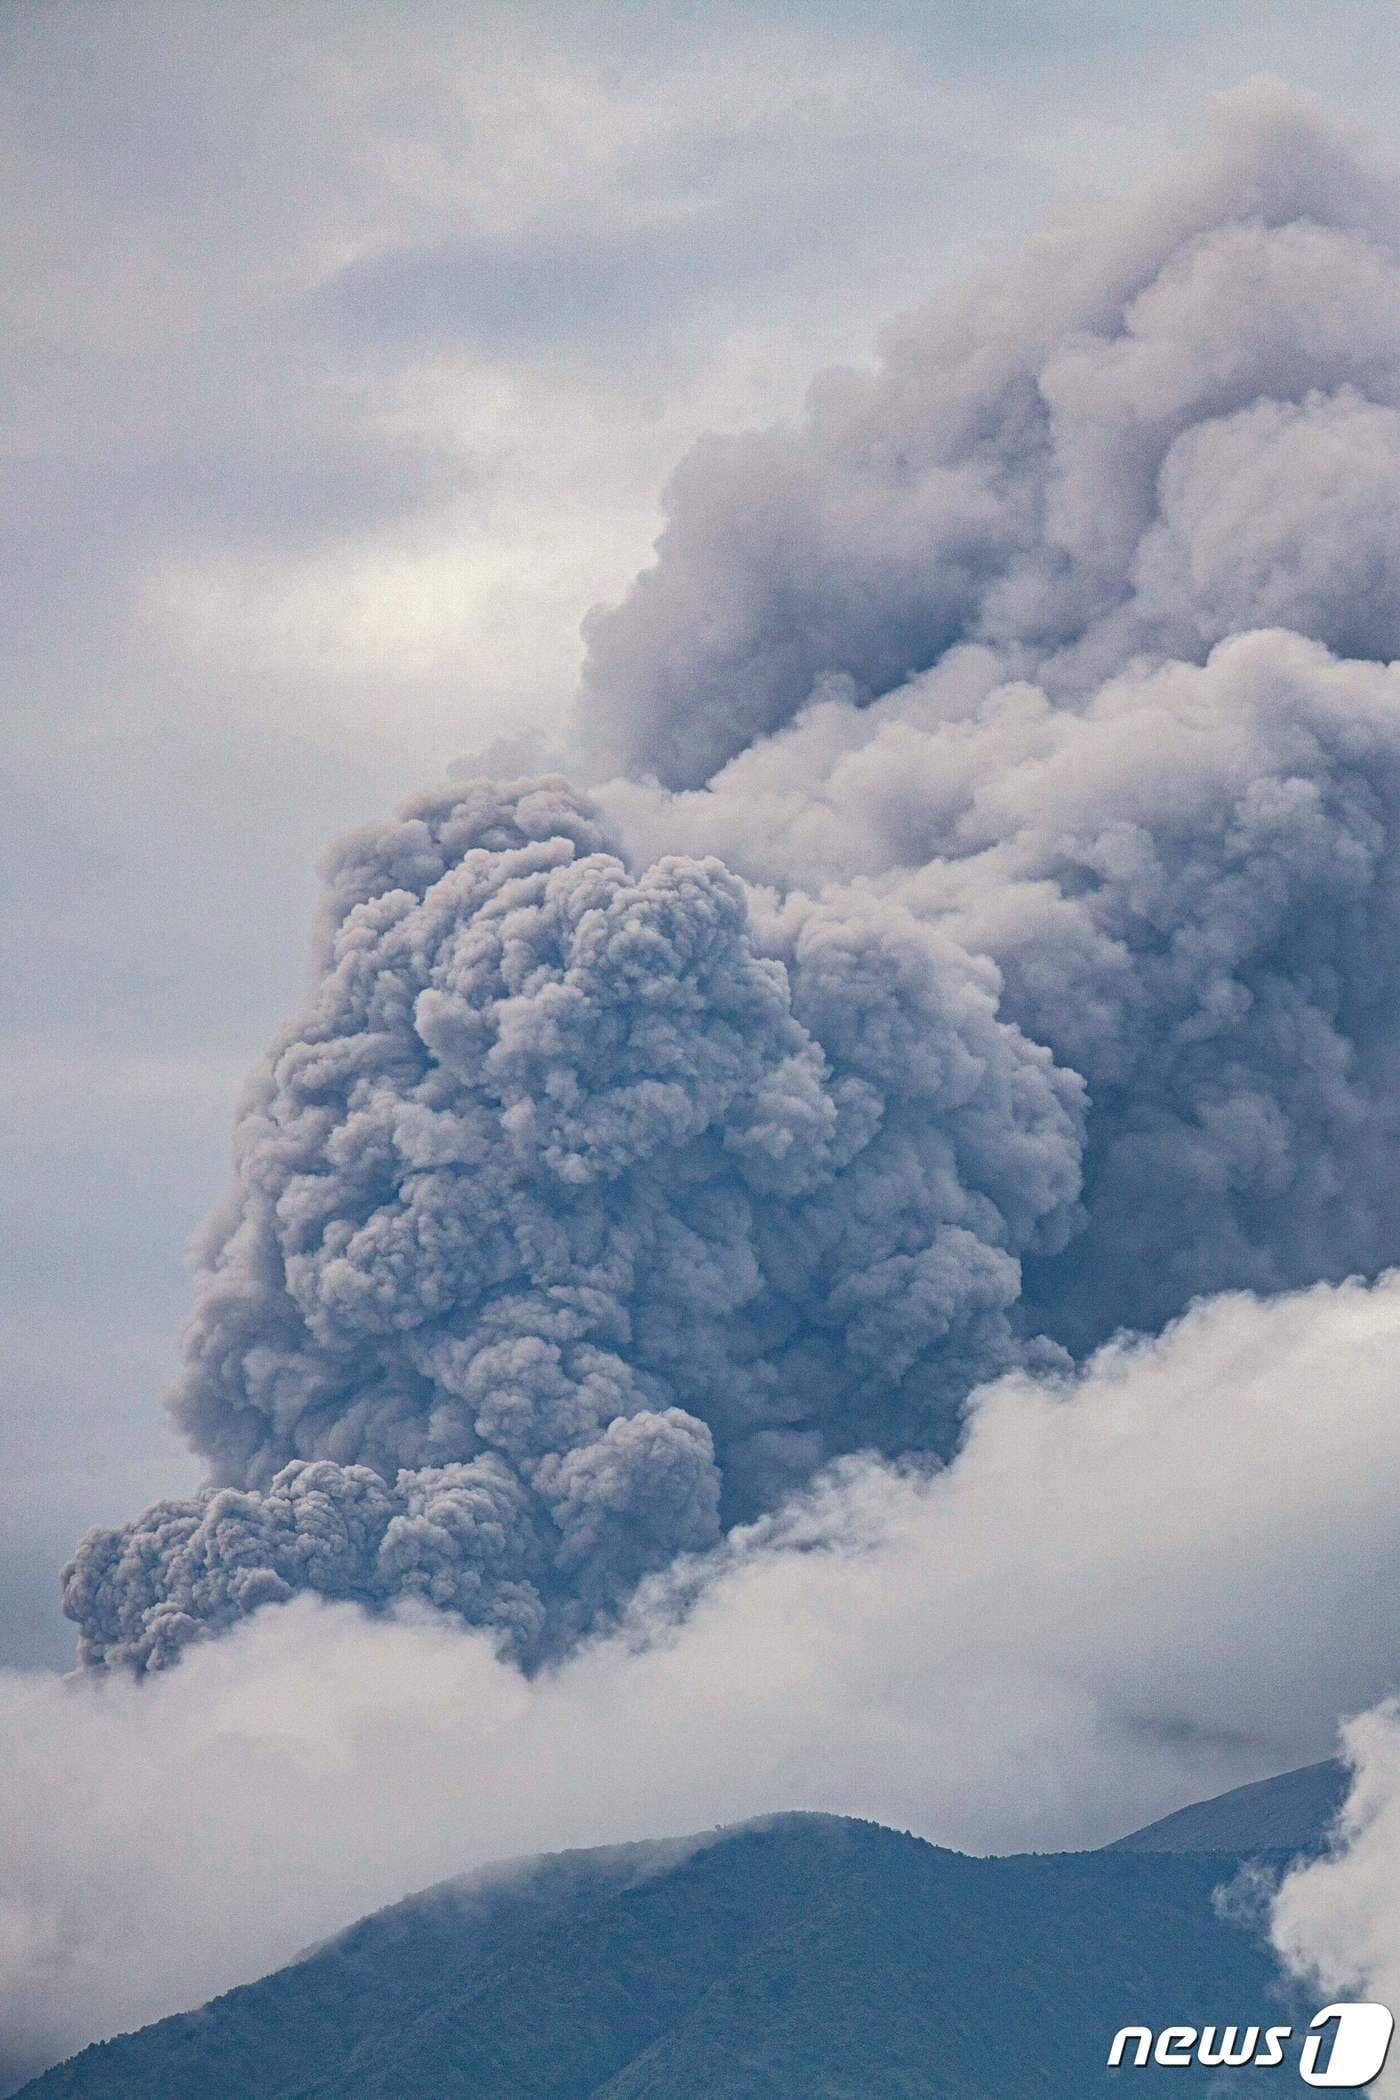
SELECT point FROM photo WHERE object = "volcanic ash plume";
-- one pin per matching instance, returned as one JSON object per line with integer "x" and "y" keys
{"x": 570, "y": 1225}
{"x": 1026, "y": 724}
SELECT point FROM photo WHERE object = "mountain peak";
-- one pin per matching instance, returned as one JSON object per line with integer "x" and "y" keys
{"x": 1289, "y": 1813}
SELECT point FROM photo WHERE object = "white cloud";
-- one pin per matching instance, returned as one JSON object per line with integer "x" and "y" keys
{"x": 1161, "y": 1582}
{"x": 1337, "y": 1920}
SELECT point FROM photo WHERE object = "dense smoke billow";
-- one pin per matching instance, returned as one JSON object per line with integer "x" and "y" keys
{"x": 986, "y": 943}
{"x": 570, "y": 1225}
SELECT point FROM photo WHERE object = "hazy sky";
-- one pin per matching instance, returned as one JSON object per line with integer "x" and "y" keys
{"x": 346, "y": 353}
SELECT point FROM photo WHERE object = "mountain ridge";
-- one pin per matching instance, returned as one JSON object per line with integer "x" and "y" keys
{"x": 801, "y": 1957}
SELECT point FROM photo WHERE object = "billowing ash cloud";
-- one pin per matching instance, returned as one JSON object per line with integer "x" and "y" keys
{"x": 1191, "y": 891}
{"x": 1153, "y": 429}
{"x": 1144, "y": 752}
{"x": 1026, "y": 721}
{"x": 570, "y": 1225}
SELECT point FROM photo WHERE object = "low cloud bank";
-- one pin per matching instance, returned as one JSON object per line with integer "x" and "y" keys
{"x": 1152, "y": 1582}
{"x": 1337, "y": 1920}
